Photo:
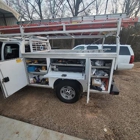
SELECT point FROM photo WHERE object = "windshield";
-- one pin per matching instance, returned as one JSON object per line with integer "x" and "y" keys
{"x": 92, "y": 47}
{"x": 79, "y": 48}
{"x": 123, "y": 50}
{"x": 110, "y": 48}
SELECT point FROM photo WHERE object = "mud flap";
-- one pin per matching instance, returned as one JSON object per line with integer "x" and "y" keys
{"x": 114, "y": 90}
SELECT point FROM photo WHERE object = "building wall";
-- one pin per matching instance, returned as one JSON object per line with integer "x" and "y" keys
{"x": 9, "y": 21}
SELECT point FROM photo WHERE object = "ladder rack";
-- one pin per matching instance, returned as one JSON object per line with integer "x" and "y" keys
{"x": 68, "y": 28}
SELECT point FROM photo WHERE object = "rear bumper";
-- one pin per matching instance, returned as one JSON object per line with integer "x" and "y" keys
{"x": 124, "y": 66}
{"x": 114, "y": 90}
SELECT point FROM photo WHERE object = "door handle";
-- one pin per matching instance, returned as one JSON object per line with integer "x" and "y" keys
{"x": 6, "y": 79}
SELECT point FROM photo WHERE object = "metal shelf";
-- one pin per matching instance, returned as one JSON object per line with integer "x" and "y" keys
{"x": 39, "y": 85}
{"x": 99, "y": 76}
{"x": 65, "y": 75}
{"x": 37, "y": 64}
{"x": 101, "y": 67}
{"x": 96, "y": 91}
{"x": 58, "y": 64}
{"x": 38, "y": 73}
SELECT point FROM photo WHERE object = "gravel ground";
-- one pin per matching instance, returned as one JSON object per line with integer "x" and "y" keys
{"x": 106, "y": 117}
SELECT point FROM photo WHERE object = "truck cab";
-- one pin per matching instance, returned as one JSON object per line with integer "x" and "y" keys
{"x": 9, "y": 50}
{"x": 13, "y": 74}
{"x": 13, "y": 49}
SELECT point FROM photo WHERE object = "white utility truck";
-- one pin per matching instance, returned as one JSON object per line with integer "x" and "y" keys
{"x": 69, "y": 72}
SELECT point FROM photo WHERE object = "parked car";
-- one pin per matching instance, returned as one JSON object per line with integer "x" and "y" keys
{"x": 126, "y": 54}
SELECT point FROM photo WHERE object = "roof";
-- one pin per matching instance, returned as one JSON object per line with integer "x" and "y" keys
{"x": 7, "y": 12}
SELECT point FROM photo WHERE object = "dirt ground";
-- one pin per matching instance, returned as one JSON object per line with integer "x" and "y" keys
{"x": 106, "y": 117}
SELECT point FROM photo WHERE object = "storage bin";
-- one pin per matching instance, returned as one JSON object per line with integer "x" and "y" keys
{"x": 31, "y": 68}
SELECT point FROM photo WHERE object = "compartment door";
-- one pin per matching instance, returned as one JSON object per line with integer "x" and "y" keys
{"x": 12, "y": 76}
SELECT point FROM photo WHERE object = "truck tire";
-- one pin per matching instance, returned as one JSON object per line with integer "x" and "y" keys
{"x": 68, "y": 91}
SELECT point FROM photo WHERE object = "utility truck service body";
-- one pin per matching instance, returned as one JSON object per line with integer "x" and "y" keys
{"x": 69, "y": 72}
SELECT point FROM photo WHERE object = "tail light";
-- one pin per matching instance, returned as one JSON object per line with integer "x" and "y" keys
{"x": 131, "y": 59}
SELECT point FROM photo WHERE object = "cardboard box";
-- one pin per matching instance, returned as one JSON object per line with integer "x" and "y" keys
{"x": 96, "y": 82}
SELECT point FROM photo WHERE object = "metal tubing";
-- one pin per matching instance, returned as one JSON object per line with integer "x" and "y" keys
{"x": 118, "y": 41}
{"x": 63, "y": 32}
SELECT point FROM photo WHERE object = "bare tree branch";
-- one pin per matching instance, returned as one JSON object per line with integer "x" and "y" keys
{"x": 33, "y": 7}
{"x": 70, "y": 7}
{"x": 86, "y": 7}
{"x": 106, "y": 6}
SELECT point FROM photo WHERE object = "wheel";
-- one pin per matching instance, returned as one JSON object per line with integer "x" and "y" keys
{"x": 68, "y": 91}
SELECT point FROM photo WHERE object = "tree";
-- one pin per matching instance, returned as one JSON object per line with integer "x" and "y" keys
{"x": 26, "y": 11}
{"x": 114, "y": 6}
{"x": 55, "y": 8}
{"x": 131, "y": 7}
{"x": 106, "y": 6}
{"x": 98, "y": 6}
{"x": 76, "y": 8}
{"x": 37, "y": 8}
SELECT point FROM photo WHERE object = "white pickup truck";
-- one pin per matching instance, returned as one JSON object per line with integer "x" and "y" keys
{"x": 126, "y": 54}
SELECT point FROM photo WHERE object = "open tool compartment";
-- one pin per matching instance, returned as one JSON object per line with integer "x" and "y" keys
{"x": 36, "y": 69}
{"x": 66, "y": 68}
{"x": 68, "y": 65}
{"x": 100, "y": 74}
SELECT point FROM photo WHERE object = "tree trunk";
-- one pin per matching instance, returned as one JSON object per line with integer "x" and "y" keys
{"x": 106, "y": 6}
{"x": 40, "y": 10}
{"x": 77, "y": 5}
{"x": 72, "y": 43}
